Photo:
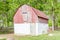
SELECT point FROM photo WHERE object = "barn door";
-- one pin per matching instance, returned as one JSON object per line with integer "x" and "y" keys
{"x": 33, "y": 28}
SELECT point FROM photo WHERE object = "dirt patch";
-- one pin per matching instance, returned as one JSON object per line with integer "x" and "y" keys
{"x": 6, "y": 36}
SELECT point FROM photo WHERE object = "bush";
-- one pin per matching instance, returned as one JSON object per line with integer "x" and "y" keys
{"x": 5, "y": 30}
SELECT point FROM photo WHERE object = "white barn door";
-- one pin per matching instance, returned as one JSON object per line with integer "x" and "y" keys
{"x": 33, "y": 28}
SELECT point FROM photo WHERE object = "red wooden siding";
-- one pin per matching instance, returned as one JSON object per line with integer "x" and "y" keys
{"x": 18, "y": 17}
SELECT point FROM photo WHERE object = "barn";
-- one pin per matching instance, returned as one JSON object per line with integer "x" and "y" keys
{"x": 30, "y": 21}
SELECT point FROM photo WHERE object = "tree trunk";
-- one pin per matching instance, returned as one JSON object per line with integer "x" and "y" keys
{"x": 53, "y": 18}
{"x": 54, "y": 22}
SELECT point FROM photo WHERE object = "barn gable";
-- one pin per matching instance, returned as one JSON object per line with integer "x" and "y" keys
{"x": 22, "y": 13}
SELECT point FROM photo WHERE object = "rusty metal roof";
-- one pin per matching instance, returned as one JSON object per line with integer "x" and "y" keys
{"x": 40, "y": 13}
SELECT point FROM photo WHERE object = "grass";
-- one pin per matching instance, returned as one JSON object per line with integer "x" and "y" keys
{"x": 56, "y": 36}
{"x": 2, "y": 39}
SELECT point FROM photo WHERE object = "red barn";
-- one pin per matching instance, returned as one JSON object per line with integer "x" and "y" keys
{"x": 30, "y": 21}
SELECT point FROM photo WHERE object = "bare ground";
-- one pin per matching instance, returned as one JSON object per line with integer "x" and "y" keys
{"x": 2, "y": 36}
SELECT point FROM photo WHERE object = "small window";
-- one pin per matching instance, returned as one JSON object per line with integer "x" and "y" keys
{"x": 25, "y": 16}
{"x": 24, "y": 12}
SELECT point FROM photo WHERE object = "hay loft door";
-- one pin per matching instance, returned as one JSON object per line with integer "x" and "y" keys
{"x": 33, "y": 28}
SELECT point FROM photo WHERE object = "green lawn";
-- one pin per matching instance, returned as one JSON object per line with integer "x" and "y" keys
{"x": 56, "y": 36}
{"x": 2, "y": 39}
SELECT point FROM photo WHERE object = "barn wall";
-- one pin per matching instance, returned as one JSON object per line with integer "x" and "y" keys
{"x": 22, "y": 29}
{"x": 34, "y": 28}
{"x": 26, "y": 29}
{"x": 30, "y": 28}
{"x": 39, "y": 28}
{"x": 42, "y": 28}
